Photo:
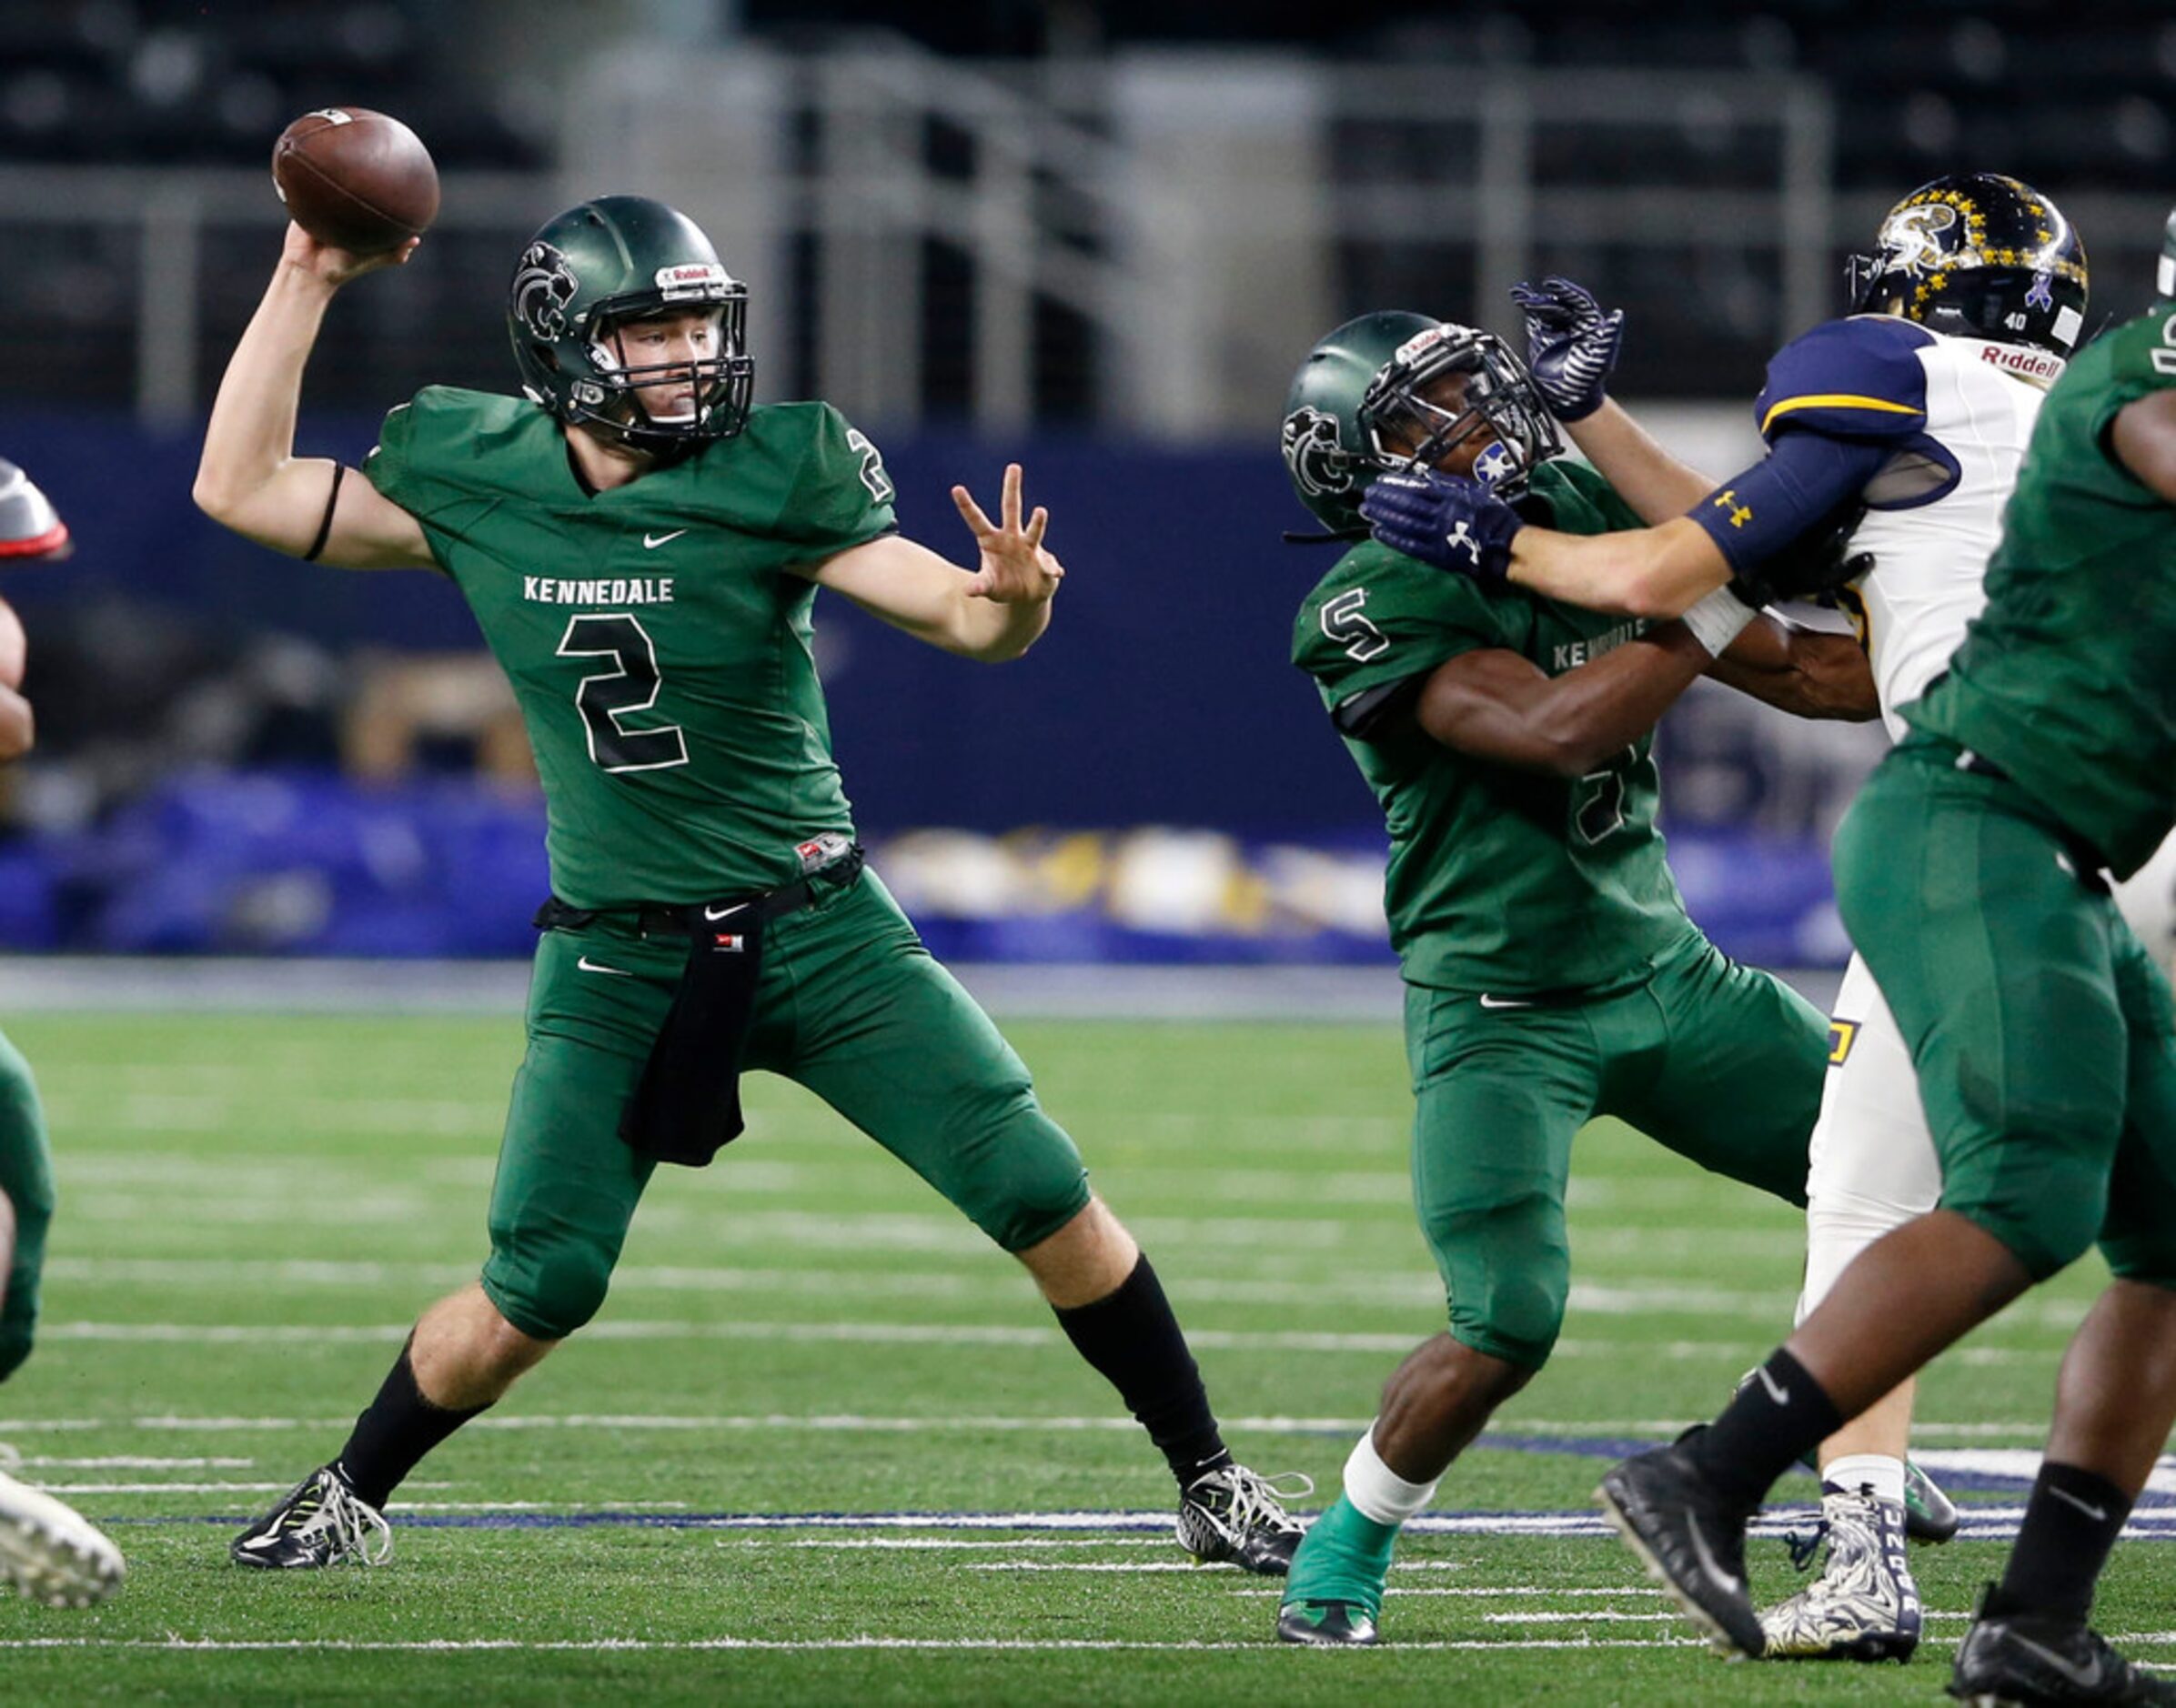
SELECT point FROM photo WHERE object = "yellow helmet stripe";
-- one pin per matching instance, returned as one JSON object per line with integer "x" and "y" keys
{"x": 1833, "y": 401}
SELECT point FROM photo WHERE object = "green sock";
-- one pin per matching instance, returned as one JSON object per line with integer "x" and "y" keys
{"x": 1345, "y": 1557}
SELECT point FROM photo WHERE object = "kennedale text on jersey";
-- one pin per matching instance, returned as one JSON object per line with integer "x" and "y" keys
{"x": 619, "y": 590}
{"x": 1570, "y": 655}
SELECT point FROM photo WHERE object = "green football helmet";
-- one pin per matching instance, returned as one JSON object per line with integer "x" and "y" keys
{"x": 592, "y": 271}
{"x": 1371, "y": 378}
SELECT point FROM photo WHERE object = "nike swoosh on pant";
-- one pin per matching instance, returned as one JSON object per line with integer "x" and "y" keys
{"x": 587, "y": 965}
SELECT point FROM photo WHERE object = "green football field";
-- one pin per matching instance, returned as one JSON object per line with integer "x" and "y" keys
{"x": 825, "y": 1445}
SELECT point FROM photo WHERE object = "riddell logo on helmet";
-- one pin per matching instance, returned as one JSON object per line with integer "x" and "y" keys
{"x": 692, "y": 279}
{"x": 1421, "y": 343}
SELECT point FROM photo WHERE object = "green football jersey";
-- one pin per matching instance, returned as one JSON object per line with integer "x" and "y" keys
{"x": 2068, "y": 679}
{"x": 655, "y": 638}
{"x": 1501, "y": 881}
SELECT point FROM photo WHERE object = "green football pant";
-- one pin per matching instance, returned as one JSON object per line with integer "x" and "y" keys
{"x": 2040, "y": 1029}
{"x": 847, "y": 1004}
{"x": 26, "y": 1179}
{"x": 1718, "y": 1062}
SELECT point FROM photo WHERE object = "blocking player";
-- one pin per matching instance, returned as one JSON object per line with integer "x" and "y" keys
{"x": 642, "y": 548}
{"x": 1969, "y": 874}
{"x": 50, "y": 1552}
{"x": 1913, "y": 413}
{"x": 1551, "y": 971}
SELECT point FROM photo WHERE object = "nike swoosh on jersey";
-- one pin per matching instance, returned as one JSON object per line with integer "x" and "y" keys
{"x": 650, "y": 542}
{"x": 587, "y": 965}
{"x": 1504, "y": 1002}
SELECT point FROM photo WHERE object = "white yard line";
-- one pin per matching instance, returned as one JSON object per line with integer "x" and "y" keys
{"x": 1646, "y": 1429}
{"x": 948, "y": 1645}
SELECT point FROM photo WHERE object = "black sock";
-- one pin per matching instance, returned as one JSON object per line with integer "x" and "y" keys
{"x": 393, "y": 1432}
{"x": 1774, "y": 1419}
{"x": 1132, "y": 1338}
{"x": 2071, "y": 1520}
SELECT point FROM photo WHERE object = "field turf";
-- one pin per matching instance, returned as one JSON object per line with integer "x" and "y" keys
{"x": 254, "y": 1209}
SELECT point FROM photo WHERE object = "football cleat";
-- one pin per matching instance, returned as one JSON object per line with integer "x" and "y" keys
{"x": 1232, "y": 1514}
{"x": 1326, "y": 1624}
{"x": 51, "y": 1553}
{"x": 1864, "y": 1605}
{"x": 2021, "y": 1661}
{"x": 1929, "y": 1515}
{"x": 321, "y": 1523}
{"x": 1692, "y": 1541}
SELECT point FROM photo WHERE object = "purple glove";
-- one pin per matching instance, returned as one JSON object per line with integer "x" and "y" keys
{"x": 1447, "y": 520}
{"x": 1571, "y": 344}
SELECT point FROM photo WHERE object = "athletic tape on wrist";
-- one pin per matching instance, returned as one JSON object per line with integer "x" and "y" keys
{"x": 1718, "y": 620}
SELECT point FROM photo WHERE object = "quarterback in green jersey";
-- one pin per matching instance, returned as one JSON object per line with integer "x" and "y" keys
{"x": 641, "y": 546}
{"x": 1970, "y": 872}
{"x": 1551, "y": 972}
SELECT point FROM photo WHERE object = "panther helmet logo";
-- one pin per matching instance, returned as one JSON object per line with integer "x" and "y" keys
{"x": 1318, "y": 462}
{"x": 543, "y": 287}
{"x": 1911, "y": 237}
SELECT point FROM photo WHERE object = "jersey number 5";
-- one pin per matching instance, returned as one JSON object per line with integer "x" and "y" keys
{"x": 1345, "y": 623}
{"x": 605, "y": 698}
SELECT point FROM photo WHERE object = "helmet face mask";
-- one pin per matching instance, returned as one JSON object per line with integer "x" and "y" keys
{"x": 1405, "y": 403}
{"x": 1377, "y": 395}
{"x": 584, "y": 280}
{"x": 1978, "y": 256}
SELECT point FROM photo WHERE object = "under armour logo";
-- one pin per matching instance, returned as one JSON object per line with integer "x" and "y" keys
{"x": 1462, "y": 537}
{"x": 1727, "y": 499}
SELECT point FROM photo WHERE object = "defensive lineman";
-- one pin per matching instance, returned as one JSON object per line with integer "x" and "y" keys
{"x": 1908, "y": 419}
{"x": 1551, "y": 971}
{"x": 1969, "y": 874}
{"x": 642, "y": 548}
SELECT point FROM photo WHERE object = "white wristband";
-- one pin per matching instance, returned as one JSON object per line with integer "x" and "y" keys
{"x": 1718, "y": 620}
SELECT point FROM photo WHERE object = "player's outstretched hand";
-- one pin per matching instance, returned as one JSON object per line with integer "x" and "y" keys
{"x": 1015, "y": 569}
{"x": 333, "y": 266}
{"x": 1571, "y": 344}
{"x": 1448, "y": 520}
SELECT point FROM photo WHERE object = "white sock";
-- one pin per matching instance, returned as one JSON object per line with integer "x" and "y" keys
{"x": 1883, "y": 1474}
{"x": 1379, "y": 1491}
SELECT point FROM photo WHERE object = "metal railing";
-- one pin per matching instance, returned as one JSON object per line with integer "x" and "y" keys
{"x": 1047, "y": 230}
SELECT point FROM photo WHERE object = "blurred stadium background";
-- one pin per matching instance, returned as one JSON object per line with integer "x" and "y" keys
{"x": 1096, "y": 237}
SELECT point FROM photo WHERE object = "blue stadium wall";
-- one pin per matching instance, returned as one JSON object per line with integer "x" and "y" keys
{"x": 1162, "y": 696}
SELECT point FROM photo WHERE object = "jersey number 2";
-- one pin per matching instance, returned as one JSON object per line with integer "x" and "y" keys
{"x": 605, "y": 698}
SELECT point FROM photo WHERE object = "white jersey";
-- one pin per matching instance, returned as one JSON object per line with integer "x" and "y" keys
{"x": 1956, "y": 413}
{"x": 1931, "y": 555}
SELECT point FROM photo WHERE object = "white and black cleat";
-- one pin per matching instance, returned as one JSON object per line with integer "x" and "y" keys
{"x": 51, "y": 1553}
{"x": 1232, "y": 1514}
{"x": 321, "y": 1523}
{"x": 1864, "y": 1605}
{"x": 1692, "y": 1541}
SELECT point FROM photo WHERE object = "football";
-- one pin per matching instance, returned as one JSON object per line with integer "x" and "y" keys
{"x": 355, "y": 179}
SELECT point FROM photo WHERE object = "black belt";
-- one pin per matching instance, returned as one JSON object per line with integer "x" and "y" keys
{"x": 658, "y": 919}
{"x": 2090, "y": 864}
